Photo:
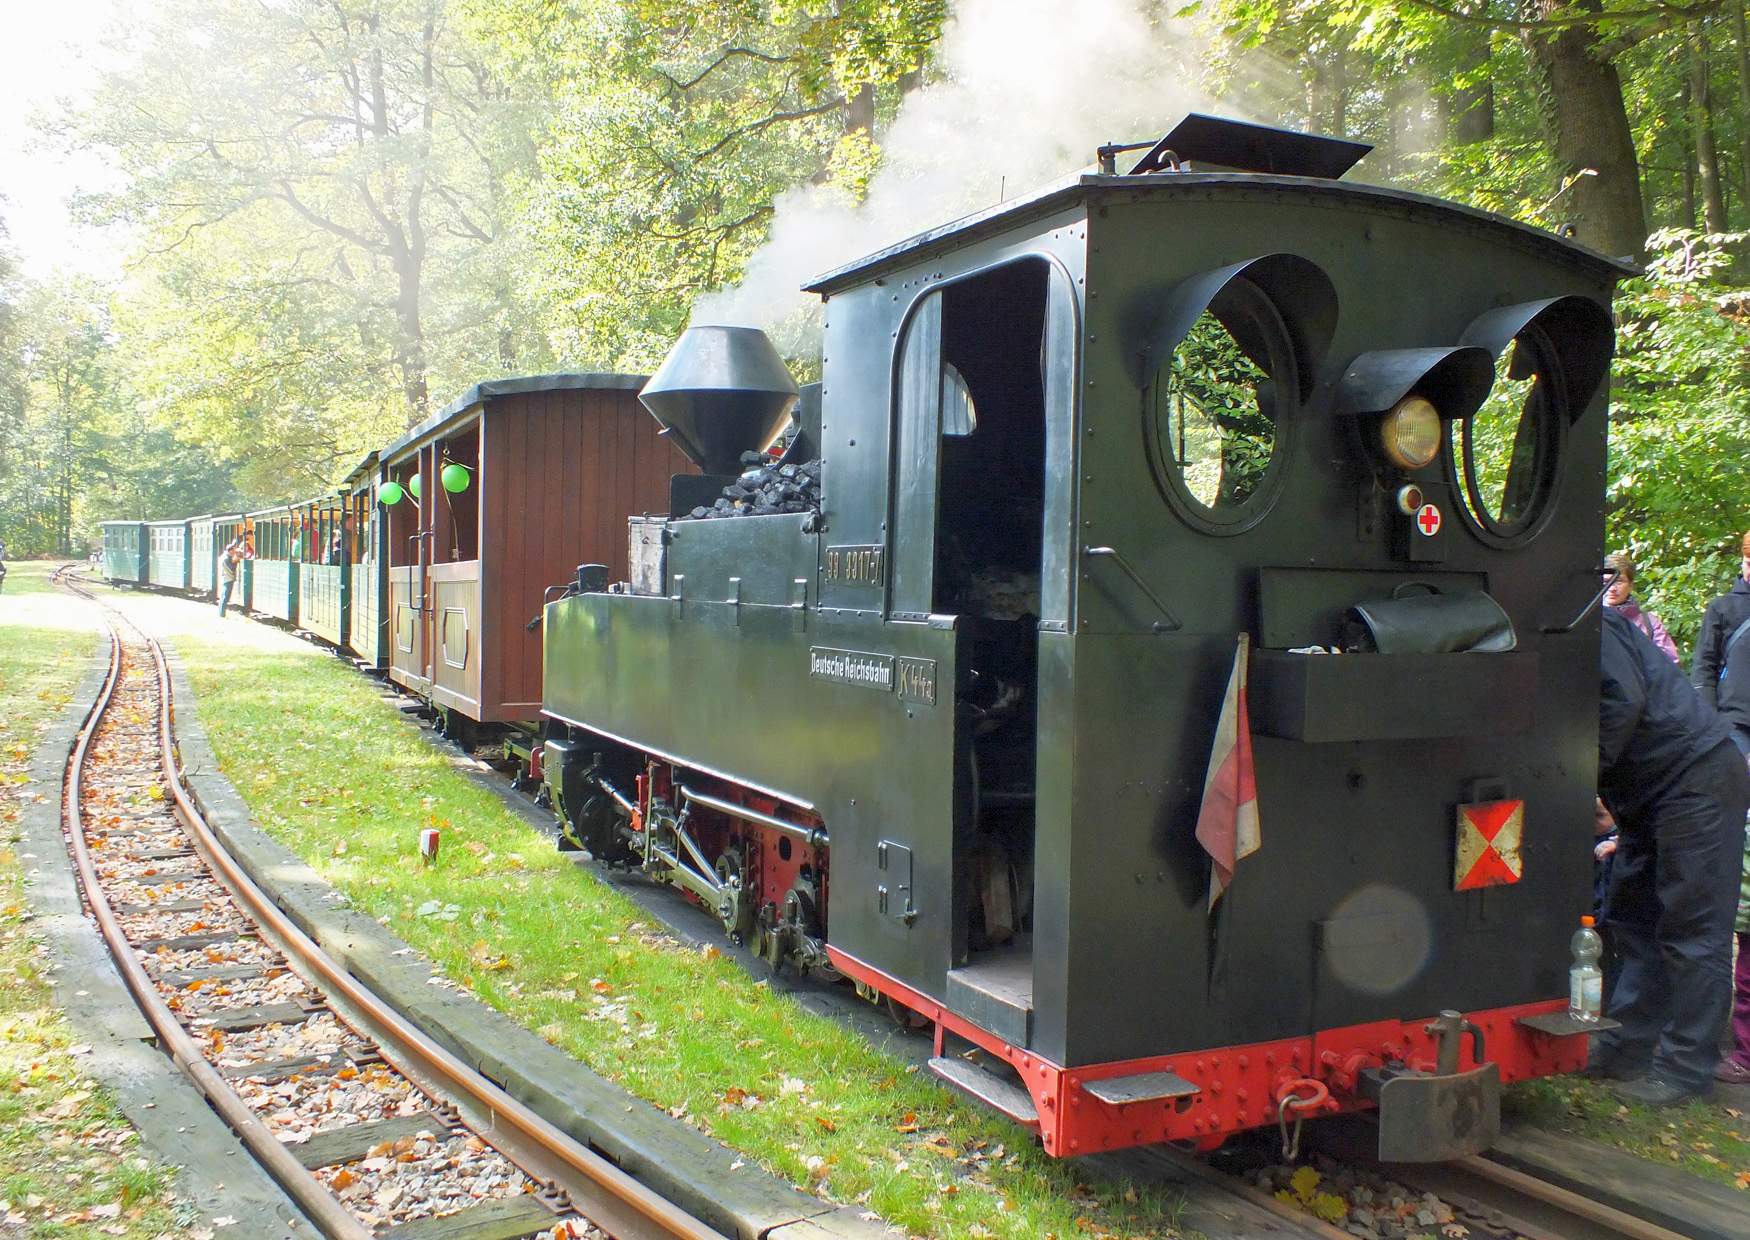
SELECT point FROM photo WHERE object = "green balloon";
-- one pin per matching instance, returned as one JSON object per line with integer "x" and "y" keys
{"x": 454, "y": 477}
{"x": 390, "y": 493}
{"x": 413, "y": 486}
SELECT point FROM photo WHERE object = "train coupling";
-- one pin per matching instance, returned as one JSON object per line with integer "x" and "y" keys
{"x": 1436, "y": 1113}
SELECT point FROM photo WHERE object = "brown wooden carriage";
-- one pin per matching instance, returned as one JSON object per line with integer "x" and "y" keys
{"x": 549, "y": 467}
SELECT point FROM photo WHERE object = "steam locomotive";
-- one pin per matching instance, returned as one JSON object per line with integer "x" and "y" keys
{"x": 944, "y": 729}
{"x": 935, "y": 709}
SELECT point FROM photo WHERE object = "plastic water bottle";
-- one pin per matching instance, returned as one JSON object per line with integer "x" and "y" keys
{"x": 1585, "y": 978}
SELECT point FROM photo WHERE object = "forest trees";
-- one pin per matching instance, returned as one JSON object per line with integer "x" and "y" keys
{"x": 320, "y": 195}
{"x": 674, "y": 125}
{"x": 1602, "y": 115}
{"x": 347, "y": 211}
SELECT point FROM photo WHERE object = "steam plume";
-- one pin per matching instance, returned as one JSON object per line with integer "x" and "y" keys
{"x": 1029, "y": 88}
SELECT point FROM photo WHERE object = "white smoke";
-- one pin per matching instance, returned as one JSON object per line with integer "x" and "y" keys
{"x": 1028, "y": 89}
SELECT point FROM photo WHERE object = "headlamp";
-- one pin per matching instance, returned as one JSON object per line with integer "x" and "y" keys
{"x": 1410, "y": 433}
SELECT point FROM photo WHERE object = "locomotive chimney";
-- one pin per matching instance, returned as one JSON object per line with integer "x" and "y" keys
{"x": 721, "y": 391}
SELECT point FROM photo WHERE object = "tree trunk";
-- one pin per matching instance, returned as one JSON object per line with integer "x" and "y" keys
{"x": 1330, "y": 98}
{"x": 1743, "y": 103}
{"x": 1473, "y": 107}
{"x": 1580, "y": 96}
{"x": 1686, "y": 136}
{"x": 410, "y": 333}
{"x": 860, "y": 111}
{"x": 1701, "y": 121}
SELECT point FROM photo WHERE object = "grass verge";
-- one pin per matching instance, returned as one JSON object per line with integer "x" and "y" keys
{"x": 70, "y": 1163}
{"x": 1707, "y": 1138}
{"x": 341, "y": 778}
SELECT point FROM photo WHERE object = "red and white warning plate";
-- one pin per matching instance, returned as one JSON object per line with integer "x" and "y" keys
{"x": 1491, "y": 840}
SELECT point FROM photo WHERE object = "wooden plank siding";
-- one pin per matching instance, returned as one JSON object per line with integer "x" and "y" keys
{"x": 561, "y": 471}
{"x": 559, "y": 468}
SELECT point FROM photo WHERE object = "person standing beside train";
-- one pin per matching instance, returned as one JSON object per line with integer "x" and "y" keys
{"x": 1721, "y": 673}
{"x": 1679, "y": 790}
{"x": 235, "y": 552}
{"x": 1620, "y": 595}
{"x": 1721, "y": 668}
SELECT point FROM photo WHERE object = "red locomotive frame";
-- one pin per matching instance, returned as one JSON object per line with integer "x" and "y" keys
{"x": 1238, "y": 1086}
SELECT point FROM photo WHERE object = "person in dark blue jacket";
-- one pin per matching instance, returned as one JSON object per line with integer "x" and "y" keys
{"x": 1678, "y": 788}
{"x": 1720, "y": 670}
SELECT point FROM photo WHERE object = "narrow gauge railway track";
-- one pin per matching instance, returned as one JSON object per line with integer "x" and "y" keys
{"x": 1474, "y": 1198}
{"x": 370, "y": 1126}
{"x": 1487, "y": 1200}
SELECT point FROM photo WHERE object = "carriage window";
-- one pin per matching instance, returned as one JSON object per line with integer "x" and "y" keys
{"x": 1215, "y": 411}
{"x": 1504, "y": 455}
{"x": 959, "y": 417}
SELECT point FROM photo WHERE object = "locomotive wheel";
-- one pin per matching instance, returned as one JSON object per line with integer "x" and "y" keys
{"x": 733, "y": 906}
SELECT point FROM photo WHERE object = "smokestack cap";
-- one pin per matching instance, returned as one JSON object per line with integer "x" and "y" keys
{"x": 720, "y": 392}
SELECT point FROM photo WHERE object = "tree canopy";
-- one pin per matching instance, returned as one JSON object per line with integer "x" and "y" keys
{"x": 344, "y": 212}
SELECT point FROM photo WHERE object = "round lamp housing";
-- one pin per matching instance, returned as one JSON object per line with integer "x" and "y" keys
{"x": 1410, "y": 434}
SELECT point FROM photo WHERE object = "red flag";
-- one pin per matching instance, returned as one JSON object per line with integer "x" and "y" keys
{"x": 1227, "y": 823}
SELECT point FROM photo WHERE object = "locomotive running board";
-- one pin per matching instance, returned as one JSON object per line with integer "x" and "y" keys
{"x": 996, "y": 1093}
{"x": 1141, "y": 1087}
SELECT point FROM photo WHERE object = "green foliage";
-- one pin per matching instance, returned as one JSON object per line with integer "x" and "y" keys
{"x": 1680, "y": 427}
{"x": 325, "y": 212}
{"x": 1212, "y": 424}
{"x": 675, "y": 124}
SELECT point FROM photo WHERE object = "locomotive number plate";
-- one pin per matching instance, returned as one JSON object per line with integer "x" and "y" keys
{"x": 916, "y": 680}
{"x": 860, "y": 565}
{"x": 852, "y": 667}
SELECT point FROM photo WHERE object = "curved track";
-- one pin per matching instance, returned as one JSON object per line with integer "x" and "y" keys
{"x": 372, "y": 1127}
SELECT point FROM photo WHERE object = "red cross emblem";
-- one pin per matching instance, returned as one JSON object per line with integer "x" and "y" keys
{"x": 1490, "y": 853}
{"x": 1428, "y": 520}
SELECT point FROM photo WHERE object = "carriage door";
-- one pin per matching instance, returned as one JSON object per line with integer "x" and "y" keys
{"x": 976, "y": 382}
{"x": 427, "y": 594}
{"x": 406, "y": 575}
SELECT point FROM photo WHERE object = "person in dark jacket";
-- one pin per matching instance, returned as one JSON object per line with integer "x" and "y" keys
{"x": 1678, "y": 788}
{"x": 1721, "y": 668}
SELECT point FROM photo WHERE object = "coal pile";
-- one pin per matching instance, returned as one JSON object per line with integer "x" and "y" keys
{"x": 766, "y": 488}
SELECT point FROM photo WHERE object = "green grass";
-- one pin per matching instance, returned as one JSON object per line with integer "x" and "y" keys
{"x": 70, "y": 1164}
{"x": 1706, "y": 1138}
{"x": 340, "y": 777}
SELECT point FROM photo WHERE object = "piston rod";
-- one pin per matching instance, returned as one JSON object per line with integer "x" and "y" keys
{"x": 814, "y": 837}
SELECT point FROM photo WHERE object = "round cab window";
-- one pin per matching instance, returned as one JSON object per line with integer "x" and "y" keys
{"x": 1215, "y": 412}
{"x": 1504, "y": 455}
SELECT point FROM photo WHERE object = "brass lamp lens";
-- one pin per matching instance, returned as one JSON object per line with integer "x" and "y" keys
{"x": 1410, "y": 433}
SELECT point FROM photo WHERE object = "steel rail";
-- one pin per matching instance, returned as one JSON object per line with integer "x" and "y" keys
{"x": 319, "y": 1205}
{"x": 1497, "y": 1197}
{"x": 1631, "y": 1227}
{"x": 607, "y": 1196}
{"x": 600, "y": 1191}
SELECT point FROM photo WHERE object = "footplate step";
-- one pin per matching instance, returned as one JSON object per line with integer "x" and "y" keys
{"x": 996, "y": 1093}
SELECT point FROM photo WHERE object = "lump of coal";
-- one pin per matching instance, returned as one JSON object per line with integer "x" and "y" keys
{"x": 765, "y": 488}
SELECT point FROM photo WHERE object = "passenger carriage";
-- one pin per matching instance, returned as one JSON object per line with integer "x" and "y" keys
{"x": 278, "y": 536}
{"x": 363, "y": 527}
{"x": 203, "y": 558}
{"x": 167, "y": 557}
{"x": 126, "y": 553}
{"x": 323, "y": 584}
{"x": 491, "y": 502}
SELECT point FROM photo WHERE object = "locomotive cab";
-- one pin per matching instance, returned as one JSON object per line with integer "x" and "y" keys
{"x": 1086, "y": 459}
